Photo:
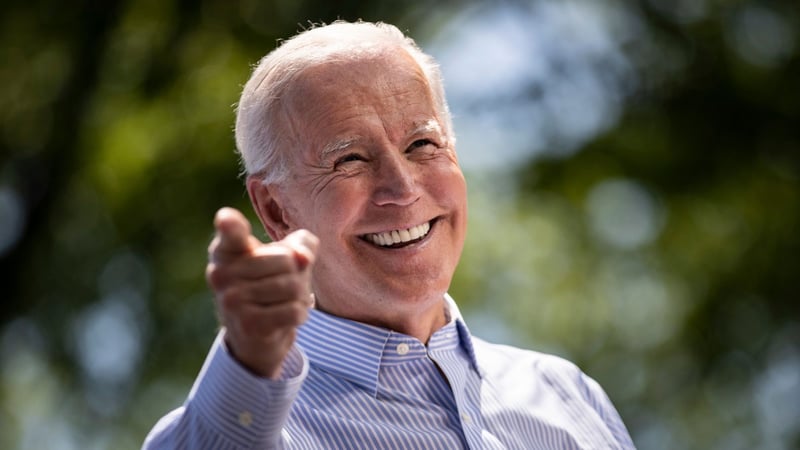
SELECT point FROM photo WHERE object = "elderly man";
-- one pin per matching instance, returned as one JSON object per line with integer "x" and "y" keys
{"x": 340, "y": 333}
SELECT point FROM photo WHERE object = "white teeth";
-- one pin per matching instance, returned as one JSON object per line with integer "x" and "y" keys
{"x": 399, "y": 236}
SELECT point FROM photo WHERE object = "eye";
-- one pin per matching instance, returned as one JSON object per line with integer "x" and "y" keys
{"x": 419, "y": 143}
{"x": 349, "y": 158}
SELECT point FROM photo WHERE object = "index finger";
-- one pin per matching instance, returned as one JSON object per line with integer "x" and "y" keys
{"x": 233, "y": 233}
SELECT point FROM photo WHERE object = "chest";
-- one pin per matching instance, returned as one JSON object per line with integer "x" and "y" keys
{"x": 444, "y": 406}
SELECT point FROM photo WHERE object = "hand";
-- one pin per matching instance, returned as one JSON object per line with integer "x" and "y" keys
{"x": 262, "y": 291}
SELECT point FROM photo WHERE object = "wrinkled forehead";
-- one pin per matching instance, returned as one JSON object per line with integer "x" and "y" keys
{"x": 336, "y": 92}
{"x": 357, "y": 76}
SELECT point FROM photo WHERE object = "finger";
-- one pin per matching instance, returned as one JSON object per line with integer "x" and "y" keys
{"x": 265, "y": 261}
{"x": 234, "y": 236}
{"x": 259, "y": 321}
{"x": 266, "y": 291}
{"x": 305, "y": 245}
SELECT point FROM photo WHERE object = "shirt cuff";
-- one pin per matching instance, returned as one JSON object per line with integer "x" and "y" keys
{"x": 241, "y": 406}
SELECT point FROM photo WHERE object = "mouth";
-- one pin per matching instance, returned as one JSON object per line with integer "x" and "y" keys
{"x": 400, "y": 238}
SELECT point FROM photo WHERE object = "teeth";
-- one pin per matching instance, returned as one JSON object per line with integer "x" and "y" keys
{"x": 399, "y": 236}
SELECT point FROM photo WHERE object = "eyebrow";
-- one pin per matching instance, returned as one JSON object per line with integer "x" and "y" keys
{"x": 429, "y": 126}
{"x": 338, "y": 146}
{"x": 342, "y": 144}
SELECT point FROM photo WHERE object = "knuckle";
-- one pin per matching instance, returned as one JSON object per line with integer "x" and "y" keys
{"x": 215, "y": 276}
{"x": 231, "y": 298}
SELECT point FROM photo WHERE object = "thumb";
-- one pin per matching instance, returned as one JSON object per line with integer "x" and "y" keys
{"x": 305, "y": 245}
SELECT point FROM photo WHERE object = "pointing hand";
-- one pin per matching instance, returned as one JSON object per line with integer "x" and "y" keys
{"x": 262, "y": 291}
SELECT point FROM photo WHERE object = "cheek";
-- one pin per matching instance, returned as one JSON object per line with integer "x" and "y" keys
{"x": 336, "y": 207}
{"x": 450, "y": 192}
{"x": 449, "y": 187}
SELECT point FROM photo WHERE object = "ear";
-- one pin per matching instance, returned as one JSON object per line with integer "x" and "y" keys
{"x": 269, "y": 207}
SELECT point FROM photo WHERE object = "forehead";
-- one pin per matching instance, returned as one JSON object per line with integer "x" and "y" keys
{"x": 377, "y": 73}
{"x": 349, "y": 96}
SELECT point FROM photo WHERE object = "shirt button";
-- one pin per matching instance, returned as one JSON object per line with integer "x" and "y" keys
{"x": 402, "y": 349}
{"x": 245, "y": 418}
{"x": 466, "y": 418}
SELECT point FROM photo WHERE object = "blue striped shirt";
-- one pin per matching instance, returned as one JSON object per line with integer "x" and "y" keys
{"x": 348, "y": 385}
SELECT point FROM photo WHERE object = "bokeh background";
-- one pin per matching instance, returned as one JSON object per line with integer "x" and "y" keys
{"x": 635, "y": 202}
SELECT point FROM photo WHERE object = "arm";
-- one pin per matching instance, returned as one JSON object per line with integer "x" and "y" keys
{"x": 598, "y": 399}
{"x": 244, "y": 392}
{"x": 229, "y": 407}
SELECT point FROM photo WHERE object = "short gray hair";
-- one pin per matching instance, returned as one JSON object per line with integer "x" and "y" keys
{"x": 259, "y": 133}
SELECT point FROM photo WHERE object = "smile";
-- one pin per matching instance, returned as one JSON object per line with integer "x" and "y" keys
{"x": 396, "y": 238}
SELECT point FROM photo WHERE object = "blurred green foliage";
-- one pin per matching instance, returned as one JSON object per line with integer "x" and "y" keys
{"x": 661, "y": 255}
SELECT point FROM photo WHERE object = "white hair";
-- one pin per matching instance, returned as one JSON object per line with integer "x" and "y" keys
{"x": 260, "y": 134}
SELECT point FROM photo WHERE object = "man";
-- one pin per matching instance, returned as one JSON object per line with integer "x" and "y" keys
{"x": 340, "y": 333}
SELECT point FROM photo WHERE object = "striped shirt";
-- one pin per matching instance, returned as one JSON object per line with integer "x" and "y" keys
{"x": 348, "y": 385}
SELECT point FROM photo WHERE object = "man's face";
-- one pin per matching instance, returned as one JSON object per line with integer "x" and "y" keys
{"x": 374, "y": 178}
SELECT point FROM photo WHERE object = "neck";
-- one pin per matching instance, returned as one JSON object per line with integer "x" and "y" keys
{"x": 419, "y": 323}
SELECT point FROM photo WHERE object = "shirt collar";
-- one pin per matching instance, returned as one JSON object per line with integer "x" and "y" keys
{"x": 355, "y": 351}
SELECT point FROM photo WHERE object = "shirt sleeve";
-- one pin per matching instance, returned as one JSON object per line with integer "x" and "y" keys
{"x": 597, "y": 398}
{"x": 230, "y": 408}
{"x": 578, "y": 389}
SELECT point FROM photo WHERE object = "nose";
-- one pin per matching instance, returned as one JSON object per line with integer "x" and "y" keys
{"x": 395, "y": 181}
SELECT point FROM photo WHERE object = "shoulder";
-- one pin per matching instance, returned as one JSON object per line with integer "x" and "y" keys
{"x": 552, "y": 385}
{"x": 506, "y": 356}
{"x": 505, "y": 364}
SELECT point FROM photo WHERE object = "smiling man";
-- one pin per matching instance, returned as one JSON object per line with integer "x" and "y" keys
{"x": 340, "y": 333}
